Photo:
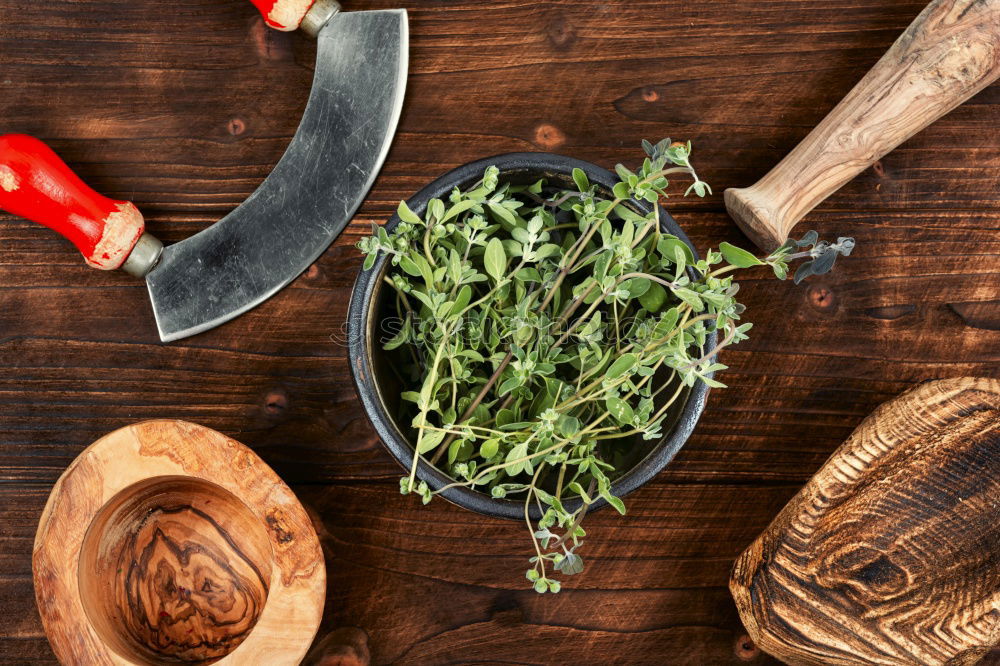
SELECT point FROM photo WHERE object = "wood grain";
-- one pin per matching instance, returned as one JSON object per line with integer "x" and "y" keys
{"x": 891, "y": 553}
{"x": 186, "y": 111}
{"x": 950, "y": 52}
{"x": 166, "y": 542}
{"x": 183, "y": 568}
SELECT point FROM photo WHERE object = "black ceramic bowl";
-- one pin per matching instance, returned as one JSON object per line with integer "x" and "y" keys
{"x": 379, "y": 388}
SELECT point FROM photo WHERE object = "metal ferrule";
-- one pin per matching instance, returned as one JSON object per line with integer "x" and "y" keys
{"x": 144, "y": 256}
{"x": 318, "y": 16}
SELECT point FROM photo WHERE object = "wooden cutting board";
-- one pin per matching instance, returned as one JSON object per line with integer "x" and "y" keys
{"x": 891, "y": 553}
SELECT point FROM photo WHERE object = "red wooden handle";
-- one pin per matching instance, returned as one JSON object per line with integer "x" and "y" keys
{"x": 35, "y": 184}
{"x": 283, "y": 14}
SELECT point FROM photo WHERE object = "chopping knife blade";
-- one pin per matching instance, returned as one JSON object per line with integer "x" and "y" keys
{"x": 284, "y": 226}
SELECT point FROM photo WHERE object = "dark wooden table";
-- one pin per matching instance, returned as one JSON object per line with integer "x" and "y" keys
{"x": 184, "y": 107}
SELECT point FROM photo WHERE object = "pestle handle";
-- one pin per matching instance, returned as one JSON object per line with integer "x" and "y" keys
{"x": 950, "y": 52}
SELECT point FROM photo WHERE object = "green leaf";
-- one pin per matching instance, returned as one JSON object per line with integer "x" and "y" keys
{"x": 407, "y": 215}
{"x": 666, "y": 247}
{"x": 637, "y": 286}
{"x": 460, "y": 450}
{"x": 614, "y": 501}
{"x": 578, "y": 489}
{"x": 681, "y": 259}
{"x": 435, "y": 209}
{"x": 459, "y": 208}
{"x": 472, "y": 355}
{"x": 568, "y": 425}
{"x": 508, "y": 385}
{"x": 503, "y": 213}
{"x": 514, "y": 468}
{"x": 627, "y": 232}
{"x": 691, "y": 298}
{"x": 623, "y": 172}
{"x": 620, "y": 410}
{"x": 529, "y": 274}
{"x": 627, "y": 213}
{"x": 547, "y": 250}
{"x": 489, "y": 448}
{"x": 423, "y": 298}
{"x": 581, "y": 180}
{"x": 654, "y": 298}
{"x": 570, "y": 565}
{"x": 454, "y": 266}
{"x": 407, "y": 265}
{"x": 462, "y": 300}
{"x": 430, "y": 440}
{"x": 399, "y": 339}
{"x": 621, "y": 191}
{"x": 666, "y": 323}
{"x": 622, "y": 364}
{"x": 715, "y": 298}
{"x": 738, "y": 256}
{"x": 495, "y": 259}
{"x": 425, "y": 269}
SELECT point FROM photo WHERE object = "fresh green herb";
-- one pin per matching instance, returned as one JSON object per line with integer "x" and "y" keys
{"x": 544, "y": 332}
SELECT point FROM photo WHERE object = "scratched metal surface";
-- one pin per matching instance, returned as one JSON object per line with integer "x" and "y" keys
{"x": 331, "y": 163}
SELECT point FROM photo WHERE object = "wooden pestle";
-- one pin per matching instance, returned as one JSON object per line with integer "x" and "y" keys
{"x": 950, "y": 52}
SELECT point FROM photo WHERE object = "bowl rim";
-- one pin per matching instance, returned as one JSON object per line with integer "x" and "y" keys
{"x": 360, "y": 313}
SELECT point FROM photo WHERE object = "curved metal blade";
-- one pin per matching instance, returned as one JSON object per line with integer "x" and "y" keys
{"x": 312, "y": 193}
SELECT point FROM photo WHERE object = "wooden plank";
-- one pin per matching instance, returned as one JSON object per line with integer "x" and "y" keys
{"x": 913, "y": 303}
{"x": 655, "y": 583}
{"x": 654, "y": 591}
{"x": 186, "y": 112}
{"x": 193, "y": 118}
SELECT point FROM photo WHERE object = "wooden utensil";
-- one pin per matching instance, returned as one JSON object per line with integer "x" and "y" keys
{"x": 950, "y": 52}
{"x": 891, "y": 553}
{"x": 167, "y": 542}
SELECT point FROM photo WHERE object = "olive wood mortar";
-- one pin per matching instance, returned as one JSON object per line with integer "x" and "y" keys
{"x": 167, "y": 542}
{"x": 891, "y": 553}
{"x": 950, "y": 52}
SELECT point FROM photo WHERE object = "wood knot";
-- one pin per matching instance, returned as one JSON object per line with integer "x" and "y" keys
{"x": 745, "y": 649}
{"x": 236, "y": 126}
{"x": 312, "y": 272}
{"x": 506, "y": 611}
{"x": 984, "y": 315}
{"x": 650, "y": 94}
{"x": 560, "y": 32}
{"x": 276, "y": 403}
{"x": 821, "y": 298}
{"x": 890, "y": 312}
{"x": 868, "y": 571}
{"x": 276, "y": 524}
{"x": 345, "y": 646}
{"x": 549, "y": 136}
{"x": 270, "y": 44}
